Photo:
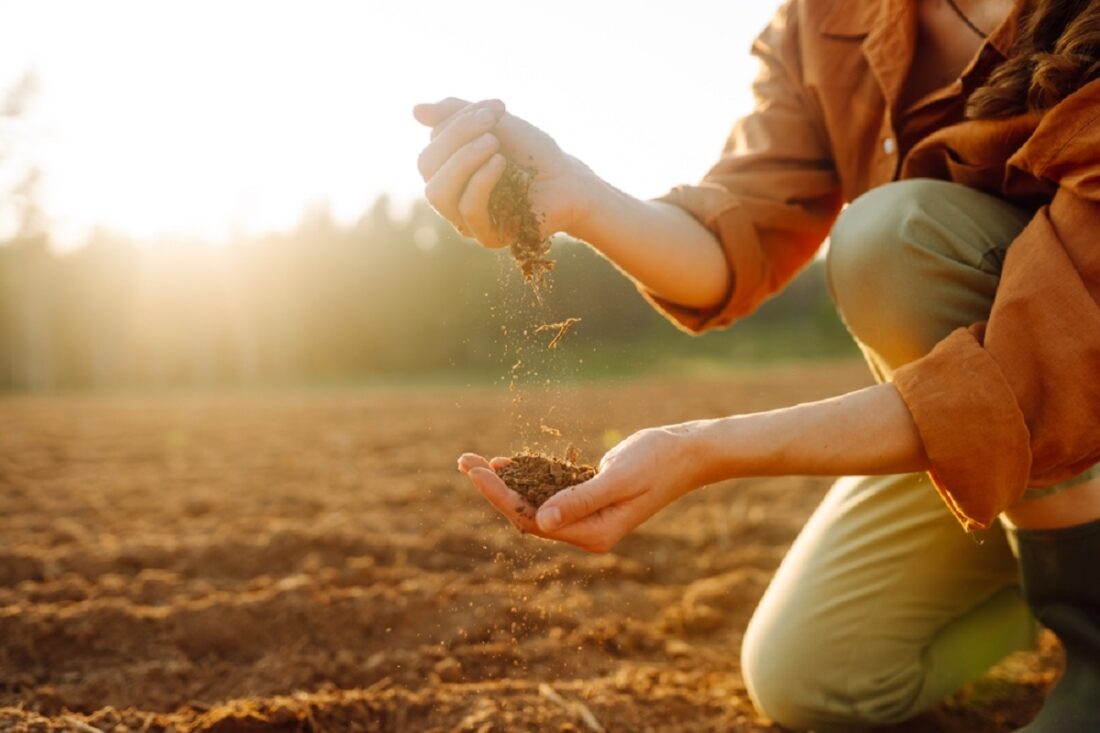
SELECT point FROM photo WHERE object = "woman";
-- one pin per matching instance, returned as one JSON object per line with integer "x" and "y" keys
{"x": 966, "y": 135}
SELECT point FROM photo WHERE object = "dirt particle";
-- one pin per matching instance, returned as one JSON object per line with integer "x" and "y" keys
{"x": 562, "y": 328}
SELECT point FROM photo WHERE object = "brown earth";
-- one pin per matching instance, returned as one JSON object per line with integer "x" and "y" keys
{"x": 536, "y": 478}
{"x": 313, "y": 562}
{"x": 511, "y": 212}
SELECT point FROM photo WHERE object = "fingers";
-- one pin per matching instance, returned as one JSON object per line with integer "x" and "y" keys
{"x": 598, "y": 532}
{"x": 583, "y": 500}
{"x": 434, "y": 113}
{"x": 495, "y": 105}
{"x": 446, "y": 188}
{"x": 468, "y": 461}
{"x": 473, "y": 205}
{"x": 460, "y": 129}
{"x": 472, "y": 460}
{"x": 461, "y": 164}
{"x": 513, "y": 506}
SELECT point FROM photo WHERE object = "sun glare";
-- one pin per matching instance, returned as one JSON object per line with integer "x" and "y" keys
{"x": 210, "y": 119}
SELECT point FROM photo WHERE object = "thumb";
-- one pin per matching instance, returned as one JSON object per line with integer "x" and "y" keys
{"x": 578, "y": 502}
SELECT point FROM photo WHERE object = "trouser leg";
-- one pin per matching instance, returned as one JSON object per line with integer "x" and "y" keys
{"x": 884, "y": 605}
{"x": 912, "y": 261}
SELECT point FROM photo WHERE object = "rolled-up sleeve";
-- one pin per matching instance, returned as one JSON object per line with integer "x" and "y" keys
{"x": 773, "y": 196}
{"x": 1015, "y": 402}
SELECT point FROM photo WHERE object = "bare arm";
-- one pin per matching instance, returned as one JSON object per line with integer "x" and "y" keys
{"x": 865, "y": 432}
{"x": 658, "y": 245}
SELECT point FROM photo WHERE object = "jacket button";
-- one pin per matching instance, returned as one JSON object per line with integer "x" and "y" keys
{"x": 889, "y": 146}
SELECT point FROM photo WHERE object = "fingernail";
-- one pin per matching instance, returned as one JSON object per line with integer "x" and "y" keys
{"x": 486, "y": 117}
{"x": 485, "y": 142}
{"x": 549, "y": 518}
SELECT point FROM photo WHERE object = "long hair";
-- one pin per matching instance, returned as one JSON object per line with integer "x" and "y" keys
{"x": 1056, "y": 51}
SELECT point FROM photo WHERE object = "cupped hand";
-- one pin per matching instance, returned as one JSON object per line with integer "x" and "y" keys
{"x": 637, "y": 478}
{"x": 470, "y": 143}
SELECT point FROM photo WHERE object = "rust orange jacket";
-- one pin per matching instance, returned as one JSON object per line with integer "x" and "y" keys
{"x": 1002, "y": 405}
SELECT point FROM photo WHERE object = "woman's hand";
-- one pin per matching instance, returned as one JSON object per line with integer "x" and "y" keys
{"x": 662, "y": 247}
{"x": 870, "y": 431}
{"x": 466, "y": 158}
{"x": 638, "y": 477}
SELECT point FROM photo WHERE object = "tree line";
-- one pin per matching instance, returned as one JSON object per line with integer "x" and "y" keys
{"x": 386, "y": 296}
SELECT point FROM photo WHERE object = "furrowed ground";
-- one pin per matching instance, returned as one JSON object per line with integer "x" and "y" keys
{"x": 312, "y": 561}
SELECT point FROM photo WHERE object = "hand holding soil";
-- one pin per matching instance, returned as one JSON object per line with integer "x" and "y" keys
{"x": 473, "y": 146}
{"x": 637, "y": 478}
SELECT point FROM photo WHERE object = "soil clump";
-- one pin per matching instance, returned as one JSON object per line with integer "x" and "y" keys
{"x": 536, "y": 478}
{"x": 511, "y": 212}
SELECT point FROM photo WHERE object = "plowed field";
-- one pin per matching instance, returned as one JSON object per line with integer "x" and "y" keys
{"x": 313, "y": 562}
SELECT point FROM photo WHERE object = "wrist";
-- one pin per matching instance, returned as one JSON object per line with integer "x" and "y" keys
{"x": 726, "y": 448}
{"x": 702, "y": 460}
{"x": 589, "y": 201}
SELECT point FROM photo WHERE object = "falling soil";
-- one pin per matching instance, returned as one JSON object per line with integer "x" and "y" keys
{"x": 536, "y": 478}
{"x": 511, "y": 212}
{"x": 561, "y": 327}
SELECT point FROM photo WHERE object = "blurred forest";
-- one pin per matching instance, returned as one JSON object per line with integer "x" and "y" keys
{"x": 386, "y": 298}
{"x": 390, "y": 298}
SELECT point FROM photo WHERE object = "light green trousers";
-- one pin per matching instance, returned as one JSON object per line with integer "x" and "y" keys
{"x": 884, "y": 606}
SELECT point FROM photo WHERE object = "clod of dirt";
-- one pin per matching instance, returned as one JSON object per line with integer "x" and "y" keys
{"x": 515, "y": 220}
{"x": 536, "y": 478}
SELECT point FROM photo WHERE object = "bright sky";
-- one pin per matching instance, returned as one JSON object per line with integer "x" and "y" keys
{"x": 208, "y": 118}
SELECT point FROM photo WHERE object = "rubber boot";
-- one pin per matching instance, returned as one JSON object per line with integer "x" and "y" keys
{"x": 1060, "y": 570}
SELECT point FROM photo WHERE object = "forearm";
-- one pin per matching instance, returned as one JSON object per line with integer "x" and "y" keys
{"x": 866, "y": 432}
{"x": 658, "y": 245}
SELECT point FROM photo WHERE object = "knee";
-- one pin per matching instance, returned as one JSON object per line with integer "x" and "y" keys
{"x": 881, "y": 266}
{"x": 766, "y": 668}
{"x": 802, "y": 680}
{"x": 789, "y": 685}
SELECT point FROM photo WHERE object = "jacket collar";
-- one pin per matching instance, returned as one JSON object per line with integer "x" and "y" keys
{"x": 851, "y": 18}
{"x": 861, "y": 18}
{"x": 888, "y": 31}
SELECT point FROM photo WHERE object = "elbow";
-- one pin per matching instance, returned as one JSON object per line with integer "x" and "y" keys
{"x": 718, "y": 291}
{"x": 708, "y": 291}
